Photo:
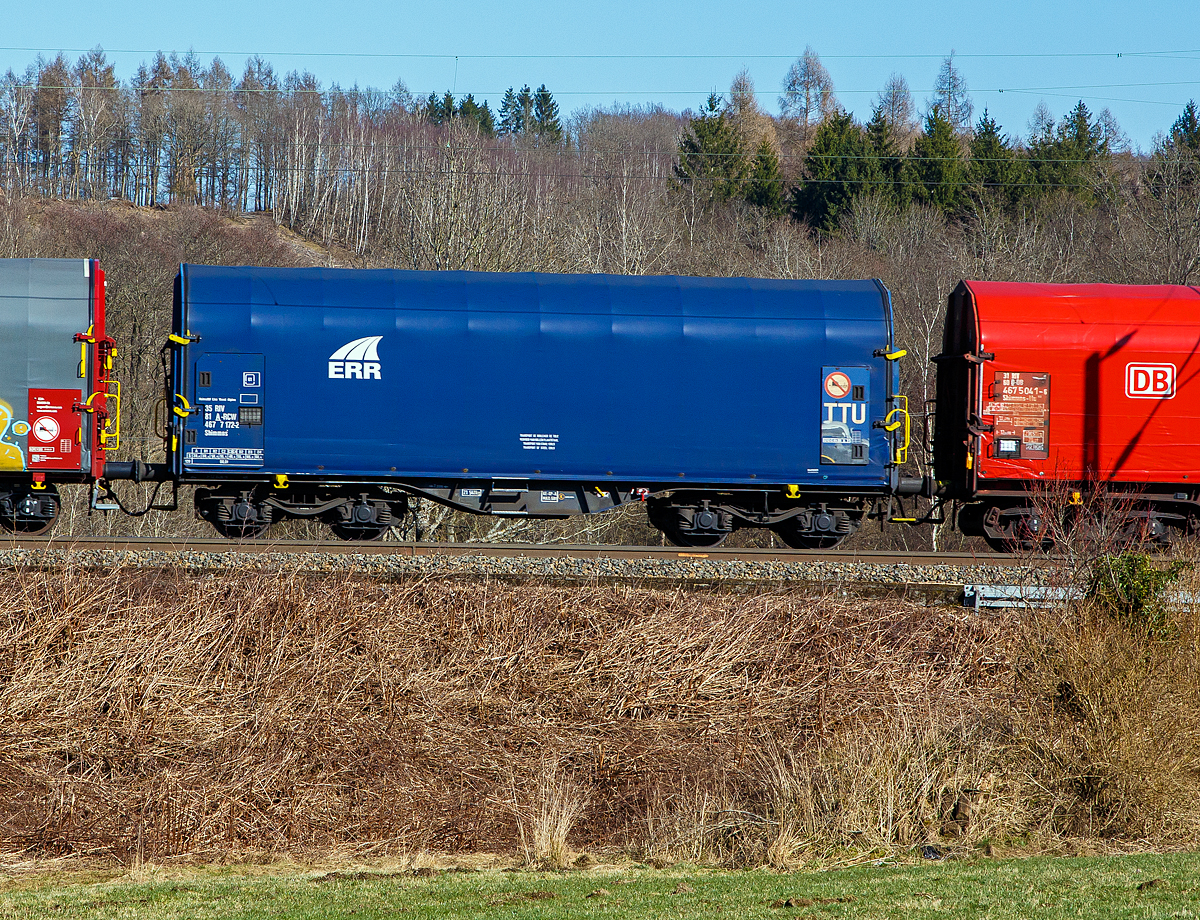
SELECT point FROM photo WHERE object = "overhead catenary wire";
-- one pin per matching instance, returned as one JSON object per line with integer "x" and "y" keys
{"x": 1019, "y": 155}
{"x": 341, "y": 150}
{"x": 671, "y": 161}
{"x": 666, "y": 175}
{"x": 355, "y": 91}
{"x": 584, "y": 96}
{"x": 447, "y": 56}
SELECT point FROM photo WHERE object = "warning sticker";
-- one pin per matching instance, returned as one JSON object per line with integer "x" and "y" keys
{"x": 845, "y": 416}
{"x": 45, "y": 429}
{"x": 1020, "y": 406}
{"x": 53, "y": 434}
{"x": 837, "y": 384}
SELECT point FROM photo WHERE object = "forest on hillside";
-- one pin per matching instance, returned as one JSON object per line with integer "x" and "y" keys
{"x": 921, "y": 195}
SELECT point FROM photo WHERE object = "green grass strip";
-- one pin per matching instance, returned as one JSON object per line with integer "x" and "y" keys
{"x": 1144, "y": 886}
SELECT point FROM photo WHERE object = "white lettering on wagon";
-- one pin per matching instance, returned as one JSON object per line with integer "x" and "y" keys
{"x": 857, "y": 410}
{"x": 539, "y": 441}
{"x": 357, "y": 360}
{"x": 224, "y": 454}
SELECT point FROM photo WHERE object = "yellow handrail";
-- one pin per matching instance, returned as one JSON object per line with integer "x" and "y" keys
{"x": 83, "y": 344}
{"x": 110, "y": 434}
{"x": 903, "y": 419}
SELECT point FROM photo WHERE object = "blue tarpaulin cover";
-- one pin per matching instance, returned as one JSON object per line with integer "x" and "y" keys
{"x": 429, "y": 374}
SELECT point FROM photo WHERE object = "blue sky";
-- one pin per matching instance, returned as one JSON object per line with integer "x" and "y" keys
{"x": 671, "y": 53}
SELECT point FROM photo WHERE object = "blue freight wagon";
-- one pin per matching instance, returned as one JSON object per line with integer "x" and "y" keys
{"x": 721, "y": 402}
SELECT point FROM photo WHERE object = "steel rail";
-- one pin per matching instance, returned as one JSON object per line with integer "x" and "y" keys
{"x": 526, "y": 550}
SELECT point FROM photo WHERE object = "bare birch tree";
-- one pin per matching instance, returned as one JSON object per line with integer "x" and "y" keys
{"x": 16, "y": 111}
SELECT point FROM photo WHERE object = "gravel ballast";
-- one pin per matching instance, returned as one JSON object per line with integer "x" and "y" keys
{"x": 847, "y": 575}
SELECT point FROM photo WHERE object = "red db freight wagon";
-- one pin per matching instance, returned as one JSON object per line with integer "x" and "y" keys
{"x": 1069, "y": 387}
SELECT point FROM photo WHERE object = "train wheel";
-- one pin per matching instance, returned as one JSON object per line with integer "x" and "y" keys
{"x": 359, "y": 533}
{"x": 1001, "y": 544}
{"x": 823, "y": 530}
{"x": 367, "y": 518}
{"x": 678, "y": 537}
{"x": 1146, "y": 530}
{"x": 670, "y": 520}
{"x": 28, "y": 512}
{"x": 233, "y": 530}
{"x": 235, "y": 517}
{"x": 802, "y": 541}
{"x": 1019, "y": 528}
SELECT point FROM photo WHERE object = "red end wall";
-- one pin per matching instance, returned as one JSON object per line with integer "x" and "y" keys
{"x": 100, "y": 375}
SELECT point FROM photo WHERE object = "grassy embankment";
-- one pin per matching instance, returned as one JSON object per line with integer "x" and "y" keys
{"x": 148, "y": 715}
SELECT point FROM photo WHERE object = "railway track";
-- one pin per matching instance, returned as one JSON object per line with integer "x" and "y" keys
{"x": 502, "y": 550}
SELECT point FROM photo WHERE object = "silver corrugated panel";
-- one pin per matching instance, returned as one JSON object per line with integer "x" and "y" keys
{"x": 43, "y": 303}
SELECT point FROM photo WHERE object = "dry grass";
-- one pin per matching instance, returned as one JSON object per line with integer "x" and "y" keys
{"x": 1113, "y": 738}
{"x": 145, "y": 715}
{"x": 546, "y": 809}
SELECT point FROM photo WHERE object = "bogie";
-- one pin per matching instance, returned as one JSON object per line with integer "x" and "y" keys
{"x": 699, "y": 525}
{"x": 1016, "y": 526}
{"x": 704, "y": 518}
{"x": 361, "y": 514}
{"x": 821, "y": 527}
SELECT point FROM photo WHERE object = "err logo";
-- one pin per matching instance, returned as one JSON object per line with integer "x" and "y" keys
{"x": 1150, "y": 381}
{"x": 357, "y": 360}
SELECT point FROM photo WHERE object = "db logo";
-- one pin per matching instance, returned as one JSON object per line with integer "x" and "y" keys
{"x": 1150, "y": 381}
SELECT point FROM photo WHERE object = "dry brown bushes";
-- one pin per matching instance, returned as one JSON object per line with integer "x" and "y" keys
{"x": 151, "y": 714}
{"x": 1113, "y": 736}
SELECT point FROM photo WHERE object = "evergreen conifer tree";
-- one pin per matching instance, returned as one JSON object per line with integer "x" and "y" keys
{"x": 1079, "y": 131}
{"x": 765, "y": 188}
{"x": 525, "y": 110}
{"x": 1186, "y": 130}
{"x": 1068, "y": 157}
{"x": 510, "y": 114}
{"x": 1172, "y": 203}
{"x": 440, "y": 110}
{"x": 937, "y": 165}
{"x": 838, "y": 166}
{"x": 487, "y": 121}
{"x": 433, "y": 109}
{"x": 711, "y": 158}
{"x": 887, "y": 171}
{"x": 478, "y": 115}
{"x": 994, "y": 170}
{"x": 545, "y": 117}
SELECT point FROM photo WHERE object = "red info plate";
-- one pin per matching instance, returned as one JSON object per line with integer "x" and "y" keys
{"x": 53, "y": 430}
